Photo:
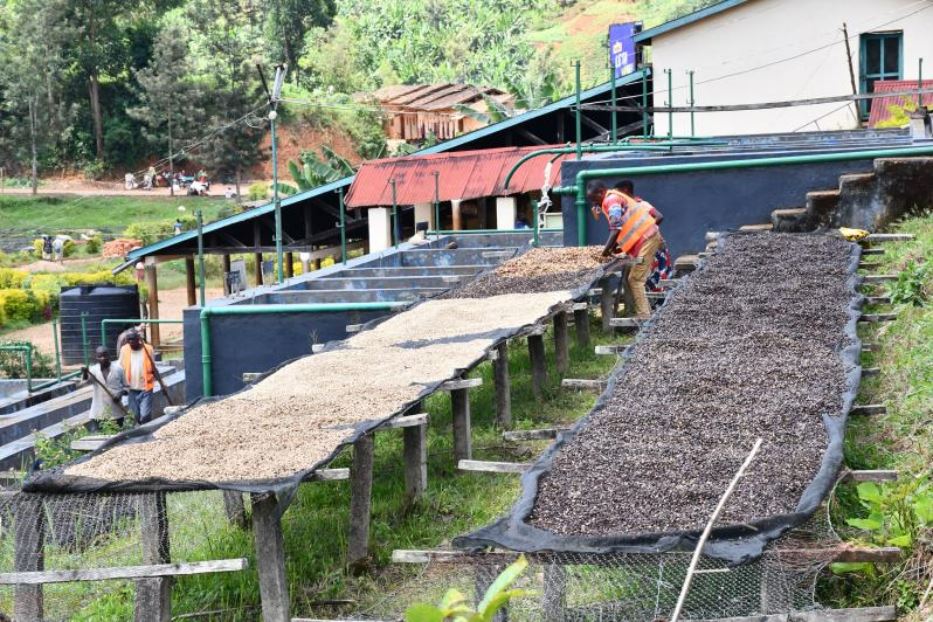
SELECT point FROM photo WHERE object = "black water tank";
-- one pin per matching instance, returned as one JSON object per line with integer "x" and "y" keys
{"x": 99, "y": 302}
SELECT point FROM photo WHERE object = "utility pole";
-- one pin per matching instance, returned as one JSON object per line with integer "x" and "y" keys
{"x": 274, "y": 97}
{"x": 845, "y": 36}
{"x": 171, "y": 159}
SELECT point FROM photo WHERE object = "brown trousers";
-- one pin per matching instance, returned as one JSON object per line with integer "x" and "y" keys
{"x": 638, "y": 275}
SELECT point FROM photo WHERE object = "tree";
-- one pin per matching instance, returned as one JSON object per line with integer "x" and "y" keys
{"x": 169, "y": 98}
{"x": 286, "y": 24}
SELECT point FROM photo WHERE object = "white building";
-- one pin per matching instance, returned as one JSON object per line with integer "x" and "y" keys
{"x": 754, "y": 51}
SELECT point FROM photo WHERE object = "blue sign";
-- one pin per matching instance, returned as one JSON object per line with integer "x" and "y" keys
{"x": 622, "y": 47}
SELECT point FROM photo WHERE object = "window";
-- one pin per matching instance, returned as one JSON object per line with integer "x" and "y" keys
{"x": 881, "y": 59}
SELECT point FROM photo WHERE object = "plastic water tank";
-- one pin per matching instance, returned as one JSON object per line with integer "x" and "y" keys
{"x": 99, "y": 302}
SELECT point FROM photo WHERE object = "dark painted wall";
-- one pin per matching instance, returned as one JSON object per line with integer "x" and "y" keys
{"x": 694, "y": 203}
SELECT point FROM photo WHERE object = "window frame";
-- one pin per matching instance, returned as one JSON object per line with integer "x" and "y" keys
{"x": 864, "y": 75}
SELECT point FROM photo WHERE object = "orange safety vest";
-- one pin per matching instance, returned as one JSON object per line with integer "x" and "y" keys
{"x": 148, "y": 369}
{"x": 637, "y": 225}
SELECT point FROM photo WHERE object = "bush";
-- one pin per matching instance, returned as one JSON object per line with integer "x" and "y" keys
{"x": 93, "y": 171}
{"x": 13, "y": 366}
{"x": 37, "y": 246}
{"x": 257, "y": 191}
{"x": 151, "y": 232}
{"x": 25, "y": 306}
{"x": 94, "y": 245}
{"x": 68, "y": 248}
{"x": 11, "y": 278}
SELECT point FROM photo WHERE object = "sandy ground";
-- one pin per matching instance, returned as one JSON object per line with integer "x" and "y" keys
{"x": 70, "y": 265}
{"x": 171, "y": 303}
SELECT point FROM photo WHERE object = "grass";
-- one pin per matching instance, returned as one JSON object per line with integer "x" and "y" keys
{"x": 902, "y": 439}
{"x": 25, "y": 215}
{"x": 315, "y": 524}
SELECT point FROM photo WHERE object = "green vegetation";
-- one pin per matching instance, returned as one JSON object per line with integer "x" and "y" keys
{"x": 315, "y": 524}
{"x": 23, "y": 215}
{"x": 893, "y": 513}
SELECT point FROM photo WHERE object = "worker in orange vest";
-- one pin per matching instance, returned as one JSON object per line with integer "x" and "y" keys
{"x": 633, "y": 231}
{"x": 140, "y": 374}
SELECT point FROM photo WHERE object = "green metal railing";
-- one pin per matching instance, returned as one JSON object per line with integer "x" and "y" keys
{"x": 207, "y": 364}
{"x": 26, "y": 350}
{"x": 109, "y": 321}
{"x": 633, "y": 171}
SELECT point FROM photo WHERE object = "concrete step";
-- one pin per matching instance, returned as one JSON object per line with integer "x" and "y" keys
{"x": 821, "y": 206}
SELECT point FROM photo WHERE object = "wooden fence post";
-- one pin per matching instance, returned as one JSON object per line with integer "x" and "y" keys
{"x": 500, "y": 367}
{"x": 581, "y": 323}
{"x": 361, "y": 489}
{"x": 235, "y": 508}
{"x": 460, "y": 408}
{"x": 561, "y": 342}
{"x": 28, "y": 555}
{"x": 538, "y": 364}
{"x": 270, "y": 557}
{"x": 606, "y": 302}
{"x": 416, "y": 460}
{"x": 154, "y": 596}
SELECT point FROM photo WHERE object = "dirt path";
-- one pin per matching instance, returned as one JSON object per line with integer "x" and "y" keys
{"x": 70, "y": 265}
{"x": 171, "y": 304}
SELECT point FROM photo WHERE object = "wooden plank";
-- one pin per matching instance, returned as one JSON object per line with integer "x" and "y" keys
{"x": 500, "y": 373}
{"x": 86, "y": 444}
{"x": 611, "y": 350}
{"x": 869, "y": 372}
{"x": 361, "y": 500}
{"x": 251, "y": 376}
{"x": 330, "y": 475}
{"x": 888, "y": 237}
{"x": 460, "y": 384}
{"x": 870, "y": 347}
{"x": 153, "y": 601}
{"x": 626, "y": 322}
{"x": 766, "y": 226}
{"x": 270, "y": 557}
{"x": 869, "y": 265}
{"x": 848, "y": 553}
{"x": 235, "y": 508}
{"x": 492, "y": 355}
{"x": 869, "y": 409}
{"x": 408, "y": 421}
{"x": 878, "y": 300}
{"x": 879, "y": 278}
{"x": 353, "y": 328}
{"x": 606, "y": 303}
{"x": 877, "y": 318}
{"x": 317, "y": 347}
{"x": 580, "y": 306}
{"x": 541, "y": 434}
{"x": 538, "y": 365}
{"x": 581, "y": 384}
{"x": 415, "y": 456}
{"x": 877, "y": 475}
{"x": 561, "y": 342}
{"x": 122, "y": 572}
{"x": 872, "y": 251}
{"x": 492, "y": 467}
{"x": 861, "y": 614}
{"x": 463, "y": 436}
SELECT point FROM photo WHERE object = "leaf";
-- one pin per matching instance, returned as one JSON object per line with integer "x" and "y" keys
{"x": 869, "y": 492}
{"x": 904, "y": 541}
{"x": 422, "y": 612}
{"x": 452, "y": 598}
{"x": 499, "y": 600}
{"x": 868, "y": 524}
{"x": 923, "y": 508}
{"x": 848, "y": 567}
{"x": 506, "y": 578}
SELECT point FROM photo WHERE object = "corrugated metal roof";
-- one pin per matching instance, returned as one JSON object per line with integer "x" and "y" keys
{"x": 462, "y": 175}
{"x": 431, "y": 96}
{"x": 646, "y": 35}
{"x": 880, "y": 107}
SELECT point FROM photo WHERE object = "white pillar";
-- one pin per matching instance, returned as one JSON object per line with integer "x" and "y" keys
{"x": 380, "y": 228}
{"x": 424, "y": 212}
{"x": 505, "y": 212}
{"x": 456, "y": 216}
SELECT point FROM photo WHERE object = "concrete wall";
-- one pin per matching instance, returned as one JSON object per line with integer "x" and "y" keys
{"x": 694, "y": 203}
{"x": 774, "y": 50}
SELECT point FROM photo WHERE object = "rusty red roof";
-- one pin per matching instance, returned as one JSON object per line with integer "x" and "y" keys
{"x": 432, "y": 96}
{"x": 880, "y": 107}
{"x": 462, "y": 175}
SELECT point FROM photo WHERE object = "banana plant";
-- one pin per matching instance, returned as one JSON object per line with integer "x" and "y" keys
{"x": 454, "y": 606}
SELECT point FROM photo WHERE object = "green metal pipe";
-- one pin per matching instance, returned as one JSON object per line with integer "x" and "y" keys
{"x": 201, "y": 272}
{"x": 84, "y": 343}
{"x": 644, "y": 104}
{"x": 692, "y": 103}
{"x": 207, "y": 371}
{"x": 105, "y": 322}
{"x": 342, "y": 226}
{"x": 920, "y": 84}
{"x": 52, "y": 383}
{"x": 395, "y": 231}
{"x": 488, "y": 231}
{"x": 820, "y": 158}
{"x": 58, "y": 350}
{"x": 578, "y": 115}
{"x": 614, "y": 134}
{"x": 670, "y": 102}
{"x": 279, "y": 253}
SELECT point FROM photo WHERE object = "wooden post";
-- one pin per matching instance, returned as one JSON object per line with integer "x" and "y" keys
{"x": 416, "y": 461}
{"x": 500, "y": 367}
{"x": 538, "y": 364}
{"x": 289, "y": 265}
{"x": 235, "y": 508}
{"x": 463, "y": 439}
{"x": 152, "y": 283}
{"x": 225, "y": 260}
{"x": 456, "y": 215}
{"x": 270, "y": 557}
{"x": 190, "y": 284}
{"x": 554, "y": 596}
{"x": 154, "y": 596}
{"x": 28, "y": 556}
{"x": 581, "y": 322}
{"x": 258, "y": 270}
{"x": 483, "y": 577}
{"x": 316, "y": 263}
{"x": 606, "y": 302}
{"x": 561, "y": 342}
{"x": 361, "y": 489}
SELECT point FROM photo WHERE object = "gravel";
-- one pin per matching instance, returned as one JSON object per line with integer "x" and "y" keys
{"x": 749, "y": 346}
{"x": 297, "y": 416}
{"x": 538, "y": 270}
